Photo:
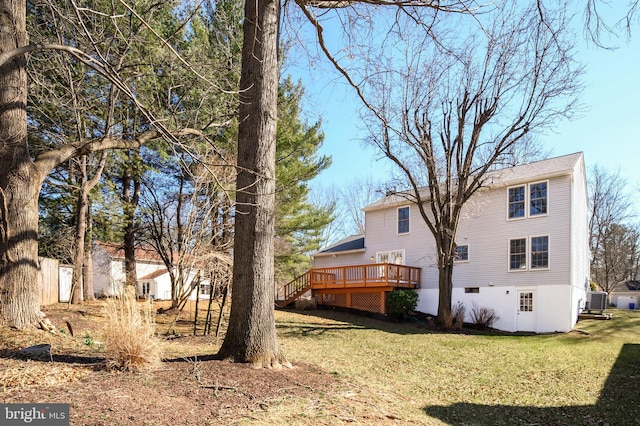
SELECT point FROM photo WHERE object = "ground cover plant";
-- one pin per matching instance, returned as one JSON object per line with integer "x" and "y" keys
{"x": 348, "y": 369}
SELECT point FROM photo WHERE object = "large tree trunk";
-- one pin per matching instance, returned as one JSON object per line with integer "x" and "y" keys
{"x": 19, "y": 181}
{"x": 251, "y": 335}
{"x": 130, "y": 197}
{"x": 77, "y": 287}
{"x": 445, "y": 274}
{"x": 87, "y": 271}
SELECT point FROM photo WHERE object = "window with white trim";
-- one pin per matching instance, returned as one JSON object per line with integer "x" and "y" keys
{"x": 403, "y": 220}
{"x": 461, "y": 254}
{"x": 540, "y": 252}
{"x": 526, "y": 302}
{"x": 534, "y": 195}
{"x": 518, "y": 254}
{"x": 394, "y": 256}
{"x": 205, "y": 289}
{"x": 529, "y": 253}
{"x": 516, "y": 202}
{"x": 537, "y": 198}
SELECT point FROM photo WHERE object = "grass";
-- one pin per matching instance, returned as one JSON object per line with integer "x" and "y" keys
{"x": 399, "y": 373}
{"x": 436, "y": 378}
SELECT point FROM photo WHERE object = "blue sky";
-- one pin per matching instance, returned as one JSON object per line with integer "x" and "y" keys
{"x": 608, "y": 131}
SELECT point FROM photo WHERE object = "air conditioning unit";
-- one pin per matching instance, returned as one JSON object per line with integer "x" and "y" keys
{"x": 596, "y": 301}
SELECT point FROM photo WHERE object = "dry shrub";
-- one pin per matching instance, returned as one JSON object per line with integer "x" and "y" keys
{"x": 483, "y": 317}
{"x": 129, "y": 334}
{"x": 457, "y": 313}
{"x": 447, "y": 321}
{"x": 302, "y": 304}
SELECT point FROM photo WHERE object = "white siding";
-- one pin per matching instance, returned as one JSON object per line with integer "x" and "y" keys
{"x": 340, "y": 259}
{"x": 101, "y": 272}
{"x": 486, "y": 230}
{"x": 581, "y": 256}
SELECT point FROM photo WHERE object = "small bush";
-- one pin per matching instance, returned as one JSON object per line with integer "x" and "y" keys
{"x": 302, "y": 304}
{"x": 483, "y": 317}
{"x": 447, "y": 320}
{"x": 129, "y": 334}
{"x": 457, "y": 313}
{"x": 402, "y": 303}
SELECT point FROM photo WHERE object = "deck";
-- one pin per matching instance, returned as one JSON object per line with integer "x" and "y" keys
{"x": 361, "y": 287}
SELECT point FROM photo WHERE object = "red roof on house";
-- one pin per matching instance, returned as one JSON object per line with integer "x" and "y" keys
{"x": 154, "y": 275}
{"x": 116, "y": 251}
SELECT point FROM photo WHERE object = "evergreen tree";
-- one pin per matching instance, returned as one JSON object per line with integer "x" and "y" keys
{"x": 299, "y": 223}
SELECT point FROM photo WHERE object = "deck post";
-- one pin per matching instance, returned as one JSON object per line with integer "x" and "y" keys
{"x": 383, "y": 305}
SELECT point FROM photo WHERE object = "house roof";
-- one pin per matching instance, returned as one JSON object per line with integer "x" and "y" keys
{"x": 349, "y": 244}
{"x": 628, "y": 286}
{"x": 154, "y": 275}
{"x": 543, "y": 169}
{"x": 116, "y": 251}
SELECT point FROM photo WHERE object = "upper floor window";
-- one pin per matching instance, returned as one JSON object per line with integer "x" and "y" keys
{"x": 403, "y": 220}
{"x": 516, "y": 202}
{"x": 537, "y": 198}
{"x": 461, "y": 254}
{"x": 534, "y": 195}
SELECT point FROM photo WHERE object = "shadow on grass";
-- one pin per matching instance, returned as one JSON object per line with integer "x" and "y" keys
{"x": 618, "y": 404}
{"x": 359, "y": 320}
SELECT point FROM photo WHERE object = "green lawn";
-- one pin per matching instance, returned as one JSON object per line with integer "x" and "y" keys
{"x": 413, "y": 375}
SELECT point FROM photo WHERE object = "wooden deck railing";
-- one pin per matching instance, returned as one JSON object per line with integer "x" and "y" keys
{"x": 354, "y": 276}
{"x": 368, "y": 275}
{"x": 295, "y": 289}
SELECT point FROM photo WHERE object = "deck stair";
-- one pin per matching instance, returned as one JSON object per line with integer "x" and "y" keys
{"x": 296, "y": 288}
{"x": 360, "y": 287}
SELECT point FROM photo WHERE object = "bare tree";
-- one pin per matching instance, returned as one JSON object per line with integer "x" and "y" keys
{"x": 596, "y": 25}
{"x": 446, "y": 106}
{"x": 613, "y": 240}
{"x": 616, "y": 258}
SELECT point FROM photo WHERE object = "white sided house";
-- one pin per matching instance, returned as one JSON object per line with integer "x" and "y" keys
{"x": 522, "y": 246}
{"x": 153, "y": 277}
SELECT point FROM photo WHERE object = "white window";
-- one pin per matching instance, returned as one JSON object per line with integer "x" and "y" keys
{"x": 533, "y": 195}
{"x": 461, "y": 254}
{"x": 526, "y": 302}
{"x": 540, "y": 252}
{"x": 518, "y": 254}
{"x": 537, "y": 198}
{"x": 394, "y": 256}
{"x": 205, "y": 289}
{"x": 516, "y": 202}
{"x": 534, "y": 249}
{"x": 403, "y": 220}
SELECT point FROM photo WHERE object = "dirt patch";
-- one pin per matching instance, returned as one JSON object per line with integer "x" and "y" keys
{"x": 189, "y": 388}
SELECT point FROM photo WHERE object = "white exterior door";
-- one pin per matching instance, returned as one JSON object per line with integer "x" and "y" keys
{"x": 526, "y": 310}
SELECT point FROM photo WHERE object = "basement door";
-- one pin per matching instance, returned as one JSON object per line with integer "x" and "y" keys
{"x": 526, "y": 310}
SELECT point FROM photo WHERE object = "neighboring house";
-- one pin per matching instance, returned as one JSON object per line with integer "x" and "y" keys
{"x": 153, "y": 277}
{"x": 626, "y": 295}
{"x": 522, "y": 246}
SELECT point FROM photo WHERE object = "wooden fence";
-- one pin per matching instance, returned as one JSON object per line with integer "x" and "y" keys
{"x": 48, "y": 280}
